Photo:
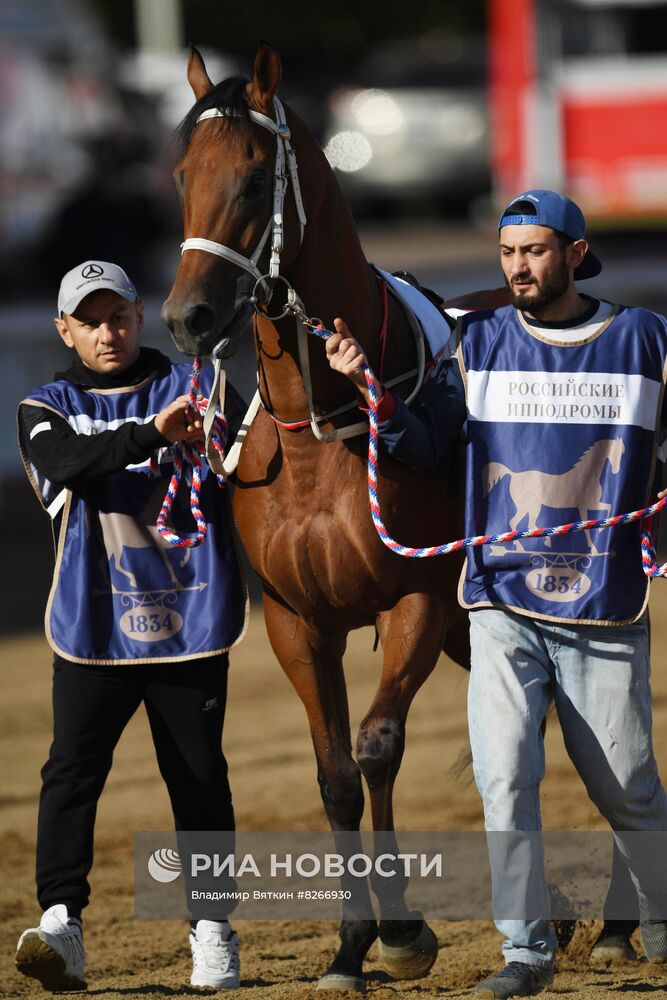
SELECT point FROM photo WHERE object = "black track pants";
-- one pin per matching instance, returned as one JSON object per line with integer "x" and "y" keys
{"x": 185, "y": 703}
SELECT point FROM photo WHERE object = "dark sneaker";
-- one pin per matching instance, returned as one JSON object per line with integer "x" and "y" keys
{"x": 654, "y": 939}
{"x": 517, "y": 979}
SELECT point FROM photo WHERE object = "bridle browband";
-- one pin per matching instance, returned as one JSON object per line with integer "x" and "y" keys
{"x": 285, "y": 157}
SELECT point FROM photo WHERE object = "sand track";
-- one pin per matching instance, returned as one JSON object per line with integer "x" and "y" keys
{"x": 273, "y": 780}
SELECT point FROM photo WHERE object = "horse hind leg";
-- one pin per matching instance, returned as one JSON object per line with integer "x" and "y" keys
{"x": 605, "y": 510}
{"x": 163, "y": 548}
{"x": 125, "y": 572}
{"x": 412, "y": 636}
{"x": 514, "y": 523}
{"x": 170, "y": 569}
{"x": 313, "y": 664}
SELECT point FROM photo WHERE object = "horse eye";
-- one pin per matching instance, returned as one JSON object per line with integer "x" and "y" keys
{"x": 254, "y": 186}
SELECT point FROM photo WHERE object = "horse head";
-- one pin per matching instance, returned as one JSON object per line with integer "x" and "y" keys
{"x": 228, "y": 177}
{"x": 615, "y": 454}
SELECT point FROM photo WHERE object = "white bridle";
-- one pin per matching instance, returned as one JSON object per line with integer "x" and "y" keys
{"x": 285, "y": 155}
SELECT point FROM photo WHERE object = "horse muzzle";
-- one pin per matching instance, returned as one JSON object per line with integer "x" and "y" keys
{"x": 196, "y": 327}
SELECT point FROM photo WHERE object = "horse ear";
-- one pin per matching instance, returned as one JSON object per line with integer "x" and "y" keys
{"x": 265, "y": 78}
{"x": 197, "y": 76}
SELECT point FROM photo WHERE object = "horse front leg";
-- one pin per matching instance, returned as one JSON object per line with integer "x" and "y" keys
{"x": 597, "y": 507}
{"x": 412, "y": 637}
{"x": 313, "y": 663}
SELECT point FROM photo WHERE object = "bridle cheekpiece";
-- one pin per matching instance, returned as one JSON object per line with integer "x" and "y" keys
{"x": 285, "y": 157}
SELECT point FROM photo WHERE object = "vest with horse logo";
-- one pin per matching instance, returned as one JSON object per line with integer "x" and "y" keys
{"x": 561, "y": 430}
{"x": 120, "y": 593}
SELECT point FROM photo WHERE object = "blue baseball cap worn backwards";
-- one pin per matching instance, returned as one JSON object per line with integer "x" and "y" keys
{"x": 540, "y": 207}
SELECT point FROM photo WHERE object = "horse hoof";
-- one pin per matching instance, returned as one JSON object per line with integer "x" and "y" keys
{"x": 340, "y": 982}
{"x": 410, "y": 961}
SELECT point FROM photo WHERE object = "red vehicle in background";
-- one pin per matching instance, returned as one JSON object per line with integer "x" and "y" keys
{"x": 578, "y": 102}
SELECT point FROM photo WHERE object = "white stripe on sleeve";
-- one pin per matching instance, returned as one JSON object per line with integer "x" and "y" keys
{"x": 45, "y": 425}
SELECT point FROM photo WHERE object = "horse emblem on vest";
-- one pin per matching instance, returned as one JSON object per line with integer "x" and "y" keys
{"x": 121, "y": 533}
{"x": 579, "y": 488}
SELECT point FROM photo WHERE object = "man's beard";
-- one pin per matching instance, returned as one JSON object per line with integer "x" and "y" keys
{"x": 553, "y": 286}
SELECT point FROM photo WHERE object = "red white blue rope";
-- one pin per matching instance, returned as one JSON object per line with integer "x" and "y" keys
{"x": 649, "y": 559}
{"x": 188, "y": 463}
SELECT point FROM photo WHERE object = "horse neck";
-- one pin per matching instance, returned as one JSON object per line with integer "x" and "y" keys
{"x": 332, "y": 277}
{"x": 331, "y": 272}
{"x": 596, "y": 455}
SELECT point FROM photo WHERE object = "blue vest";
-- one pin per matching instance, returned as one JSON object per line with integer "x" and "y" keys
{"x": 560, "y": 432}
{"x": 119, "y": 593}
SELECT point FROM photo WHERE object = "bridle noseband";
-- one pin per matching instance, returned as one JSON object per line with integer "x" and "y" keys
{"x": 285, "y": 156}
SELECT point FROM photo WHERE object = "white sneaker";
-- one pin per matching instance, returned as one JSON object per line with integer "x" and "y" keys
{"x": 215, "y": 959}
{"x": 53, "y": 952}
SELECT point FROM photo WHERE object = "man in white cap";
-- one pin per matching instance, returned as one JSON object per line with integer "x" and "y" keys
{"x": 128, "y": 619}
{"x": 561, "y": 395}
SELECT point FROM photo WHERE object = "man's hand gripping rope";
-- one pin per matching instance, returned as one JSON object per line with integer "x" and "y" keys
{"x": 180, "y": 424}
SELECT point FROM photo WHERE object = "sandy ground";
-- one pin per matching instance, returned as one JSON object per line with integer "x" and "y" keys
{"x": 273, "y": 779}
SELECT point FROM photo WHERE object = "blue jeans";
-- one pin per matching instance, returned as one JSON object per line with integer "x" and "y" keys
{"x": 598, "y": 678}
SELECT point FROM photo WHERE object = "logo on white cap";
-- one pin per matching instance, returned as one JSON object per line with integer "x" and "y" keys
{"x": 92, "y": 271}
{"x": 92, "y": 276}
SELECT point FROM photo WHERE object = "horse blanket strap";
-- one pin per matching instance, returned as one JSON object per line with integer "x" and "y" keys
{"x": 232, "y": 458}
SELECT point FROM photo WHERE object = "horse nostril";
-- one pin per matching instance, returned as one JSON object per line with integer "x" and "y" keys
{"x": 200, "y": 320}
{"x": 168, "y": 314}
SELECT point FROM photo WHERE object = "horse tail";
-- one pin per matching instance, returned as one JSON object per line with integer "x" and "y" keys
{"x": 493, "y": 473}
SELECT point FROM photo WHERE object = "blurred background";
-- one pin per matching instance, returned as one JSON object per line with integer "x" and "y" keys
{"x": 433, "y": 115}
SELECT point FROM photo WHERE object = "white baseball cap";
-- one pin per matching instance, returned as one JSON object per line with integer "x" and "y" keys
{"x": 93, "y": 276}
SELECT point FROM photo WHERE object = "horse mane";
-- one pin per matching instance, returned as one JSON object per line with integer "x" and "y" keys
{"x": 590, "y": 448}
{"x": 495, "y": 471}
{"x": 229, "y": 94}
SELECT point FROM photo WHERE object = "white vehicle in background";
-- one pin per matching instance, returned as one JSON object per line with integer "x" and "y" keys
{"x": 415, "y": 130}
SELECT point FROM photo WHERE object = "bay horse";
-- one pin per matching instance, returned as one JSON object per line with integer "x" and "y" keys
{"x": 301, "y": 506}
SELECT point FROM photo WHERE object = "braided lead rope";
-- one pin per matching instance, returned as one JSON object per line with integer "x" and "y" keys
{"x": 220, "y": 429}
{"x": 650, "y": 564}
{"x": 188, "y": 463}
